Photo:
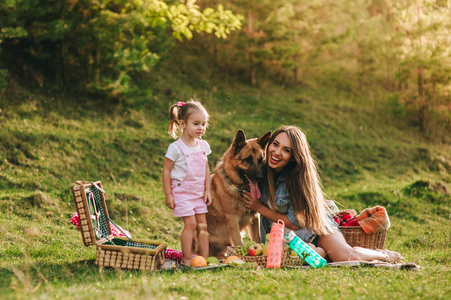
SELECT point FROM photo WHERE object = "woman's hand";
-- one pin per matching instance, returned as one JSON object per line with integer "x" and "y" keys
{"x": 250, "y": 202}
{"x": 265, "y": 211}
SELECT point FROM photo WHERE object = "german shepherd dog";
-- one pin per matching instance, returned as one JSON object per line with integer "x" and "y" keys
{"x": 239, "y": 170}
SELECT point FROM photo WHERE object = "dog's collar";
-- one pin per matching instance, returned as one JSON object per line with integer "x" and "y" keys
{"x": 234, "y": 187}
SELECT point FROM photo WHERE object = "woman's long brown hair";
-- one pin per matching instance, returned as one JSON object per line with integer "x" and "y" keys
{"x": 303, "y": 183}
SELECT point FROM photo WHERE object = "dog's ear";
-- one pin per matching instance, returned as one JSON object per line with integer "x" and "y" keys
{"x": 263, "y": 140}
{"x": 239, "y": 141}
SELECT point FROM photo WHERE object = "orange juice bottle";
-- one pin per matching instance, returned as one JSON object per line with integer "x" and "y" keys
{"x": 275, "y": 247}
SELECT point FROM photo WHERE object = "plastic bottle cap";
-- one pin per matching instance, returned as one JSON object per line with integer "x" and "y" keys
{"x": 289, "y": 236}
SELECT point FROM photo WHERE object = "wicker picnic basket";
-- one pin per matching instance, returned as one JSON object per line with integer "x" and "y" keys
{"x": 114, "y": 252}
{"x": 259, "y": 259}
{"x": 355, "y": 236}
{"x": 287, "y": 260}
{"x": 292, "y": 260}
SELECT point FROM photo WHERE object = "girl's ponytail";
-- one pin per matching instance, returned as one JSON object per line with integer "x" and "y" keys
{"x": 173, "y": 121}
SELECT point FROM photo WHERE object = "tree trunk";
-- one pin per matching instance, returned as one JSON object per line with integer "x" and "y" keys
{"x": 97, "y": 67}
{"x": 251, "y": 51}
{"x": 252, "y": 67}
{"x": 422, "y": 107}
{"x": 295, "y": 69}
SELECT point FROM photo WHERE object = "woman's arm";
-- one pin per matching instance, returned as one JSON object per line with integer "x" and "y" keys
{"x": 265, "y": 211}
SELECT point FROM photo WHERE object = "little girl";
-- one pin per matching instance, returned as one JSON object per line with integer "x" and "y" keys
{"x": 186, "y": 175}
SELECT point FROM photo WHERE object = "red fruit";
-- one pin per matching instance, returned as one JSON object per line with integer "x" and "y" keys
{"x": 255, "y": 249}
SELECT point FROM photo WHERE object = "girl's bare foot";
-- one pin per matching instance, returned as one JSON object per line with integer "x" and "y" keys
{"x": 185, "y": 262}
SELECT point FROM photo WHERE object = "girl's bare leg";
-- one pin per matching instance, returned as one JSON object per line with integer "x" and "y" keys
{"x": 202, "y": 235}
{"x": 338, "y": 250}
{"x": 187, "y": 238}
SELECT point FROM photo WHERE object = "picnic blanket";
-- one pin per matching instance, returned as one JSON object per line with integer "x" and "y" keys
{"x": 373, "y": 219}
{"x": 377, "y": 264}
{"x": 173, "y": 265}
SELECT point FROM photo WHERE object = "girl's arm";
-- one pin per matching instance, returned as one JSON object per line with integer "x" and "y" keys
{"x": 167, "y": 168}
{"x": 265, "y": 211}
{"x": 207, "y": 195}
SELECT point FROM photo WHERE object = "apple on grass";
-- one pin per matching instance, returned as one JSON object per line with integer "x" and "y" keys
{"x": 255, "y": 249}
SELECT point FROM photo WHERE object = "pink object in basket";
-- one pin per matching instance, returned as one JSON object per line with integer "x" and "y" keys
{"x": 114, "y": 230}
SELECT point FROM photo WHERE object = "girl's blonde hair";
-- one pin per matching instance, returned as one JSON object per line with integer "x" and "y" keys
{"x": 181, "y": 111}
{"x": 303, "y": 183}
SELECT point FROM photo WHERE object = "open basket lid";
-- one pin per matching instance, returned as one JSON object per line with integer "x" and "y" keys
{"x": 92, "y": 211}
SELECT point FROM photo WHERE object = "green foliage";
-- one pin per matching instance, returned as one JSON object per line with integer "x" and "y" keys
{"x": 10, "y": 32}
{"x": 3, "y": 82}
{"x": 186, "y": 18}
{"x": 356, "y": 46}
{"x": 99, "y": 45}
{"x": 273, "y": 42}
{"x": 422, "y": 49}
{"x": 108, "y": 46}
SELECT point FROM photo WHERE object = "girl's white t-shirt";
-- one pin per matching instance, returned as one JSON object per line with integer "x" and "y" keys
{"x": 175, "y": 154}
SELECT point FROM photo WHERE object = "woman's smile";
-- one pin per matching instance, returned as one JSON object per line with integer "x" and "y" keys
{"x": 275, "y": 159}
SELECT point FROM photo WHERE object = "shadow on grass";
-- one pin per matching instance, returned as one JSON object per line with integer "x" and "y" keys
{"x": 80, "y": 272}
{"x": 32, "y": 274}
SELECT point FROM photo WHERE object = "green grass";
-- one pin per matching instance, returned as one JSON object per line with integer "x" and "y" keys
{"x": 79, "y": 279}
{"x": 367, "y": 156}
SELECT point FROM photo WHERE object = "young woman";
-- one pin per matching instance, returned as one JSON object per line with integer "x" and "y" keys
{"x": 293, "y": 193}
{"x": 186, "y": 176}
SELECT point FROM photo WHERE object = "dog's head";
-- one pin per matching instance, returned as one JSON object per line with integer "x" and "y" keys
{"x": 244, "y": 161}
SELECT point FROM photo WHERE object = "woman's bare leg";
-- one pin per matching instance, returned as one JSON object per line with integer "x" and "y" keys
{"x": 318, "y": 250}
{"x": 338, "y": 250}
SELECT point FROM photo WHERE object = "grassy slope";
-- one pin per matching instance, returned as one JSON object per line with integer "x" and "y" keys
{"x": 367, "y": 157}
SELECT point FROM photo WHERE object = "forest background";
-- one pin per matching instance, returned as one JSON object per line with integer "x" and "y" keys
{"x": 85, "y": 86}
